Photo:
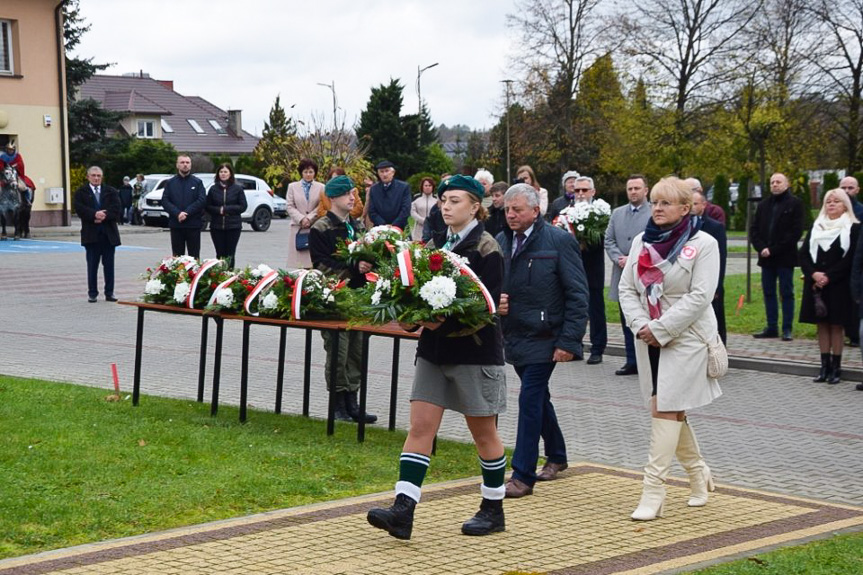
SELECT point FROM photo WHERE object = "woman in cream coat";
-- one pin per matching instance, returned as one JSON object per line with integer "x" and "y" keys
{"x": 665, "y": 292}
{"x": 302, "y": 198}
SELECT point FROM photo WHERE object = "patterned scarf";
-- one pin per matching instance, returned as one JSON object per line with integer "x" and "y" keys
{"x": 658, "y": 254}
{"x": 307, "y": 186}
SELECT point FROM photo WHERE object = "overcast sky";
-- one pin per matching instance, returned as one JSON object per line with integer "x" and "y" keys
{"x": 241, "y": 54}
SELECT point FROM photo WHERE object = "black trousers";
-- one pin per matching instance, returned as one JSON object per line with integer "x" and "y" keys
{"x": 719, "y": 309}
{"x": 186, "y": 241}
{"x": 103, "y": 251}
{"x": 225, "y": 242}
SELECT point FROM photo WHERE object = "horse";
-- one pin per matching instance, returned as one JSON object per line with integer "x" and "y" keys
{"x": 12, "y": 201}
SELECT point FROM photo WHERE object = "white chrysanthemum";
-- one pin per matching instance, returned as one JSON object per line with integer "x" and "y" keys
{"x": 270, "y": 301}
{"x": 383, "y": 285}
{"x": 438, "y": 292}
{"x": 225, "y": 297}
{"x": 154, "y": 287}
{"x": 580, "y": 227}
{"x": 601, "y": 207}
{"x": 261, "y": 270}
{"x": 181, "y": 292}
{"x": 376, "y": 298}
{"x": 186, "y": 261}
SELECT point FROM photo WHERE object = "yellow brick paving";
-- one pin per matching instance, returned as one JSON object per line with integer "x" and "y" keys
{"x": 575, "y": 524}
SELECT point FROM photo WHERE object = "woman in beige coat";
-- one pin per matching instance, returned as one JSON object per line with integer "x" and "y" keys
{"x": 302, "y": 198}
{"x": 665, "y": 293}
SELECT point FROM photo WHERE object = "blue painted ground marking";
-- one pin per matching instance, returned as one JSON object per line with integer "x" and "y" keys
{"x": 49, "y": 247}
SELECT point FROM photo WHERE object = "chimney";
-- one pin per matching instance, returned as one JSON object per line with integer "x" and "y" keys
{"x": 235, "y": 122}
{"x": 169, "y": 84}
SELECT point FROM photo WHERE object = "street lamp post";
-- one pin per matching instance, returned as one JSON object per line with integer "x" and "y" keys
{"x": 420, "y": 100}
{"x": 507, "y": 83}
{"x": 332, "y": 87}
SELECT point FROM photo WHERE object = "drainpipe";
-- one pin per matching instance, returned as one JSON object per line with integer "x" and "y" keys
{"x": 61, "y": 82}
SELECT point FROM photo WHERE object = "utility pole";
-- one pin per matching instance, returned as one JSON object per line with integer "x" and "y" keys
{"x": 420, "y": 100}
{"x": 507, "y": 83}
{"x": 332, "y": 87}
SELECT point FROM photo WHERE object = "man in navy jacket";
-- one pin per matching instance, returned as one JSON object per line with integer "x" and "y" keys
{"x": 544, "y": 310}
{"x": 389, "y": 199}
{"x": 717, "y": 230}
{"x": 184, "y": 198}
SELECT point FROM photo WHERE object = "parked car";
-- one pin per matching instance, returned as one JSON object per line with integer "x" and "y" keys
{"x": 259, "y": 197}
{"x": 280, "y": 207}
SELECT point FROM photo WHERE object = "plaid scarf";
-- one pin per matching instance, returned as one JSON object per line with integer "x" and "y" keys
{"x": 658, "y": 254}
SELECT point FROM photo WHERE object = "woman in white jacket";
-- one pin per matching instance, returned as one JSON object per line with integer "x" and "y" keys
{"x": 421, "y": 207}
{"x": 302, "y": 197}
{"x": 665, "y": 292}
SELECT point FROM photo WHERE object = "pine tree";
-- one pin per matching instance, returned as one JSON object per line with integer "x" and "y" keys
{"x": 277, "y": 149}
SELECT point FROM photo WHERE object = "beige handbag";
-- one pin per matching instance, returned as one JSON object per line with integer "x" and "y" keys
{"x": 717, "y": 356}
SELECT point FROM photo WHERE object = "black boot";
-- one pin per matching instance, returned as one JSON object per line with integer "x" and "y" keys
{"x": 835, "y": 369}
{"x": 825, "y": 368}
{"x": 353, "y": 408}
{"x": 397, "y": 520}
{"x": 489, "y": 519}
{"x": 340, "y": 412}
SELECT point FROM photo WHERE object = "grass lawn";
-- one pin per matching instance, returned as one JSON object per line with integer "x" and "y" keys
{"x": 76, "y": 468}
{"x": 751, "y": 316}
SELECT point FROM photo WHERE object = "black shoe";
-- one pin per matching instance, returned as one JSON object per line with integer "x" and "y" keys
{"x": 353, "y": 408}
{"x": 835, "y": 374}
{"x": 627, "y": 369}
{"x": 786, "y": 336}
{"x": 766, "y": 333}
{"x": 594, "y": 359}
{"x": 489, "y": 519}
{"x": 397, "y": 520}
{"x": 859, "y": 387}
{"x": 824, "y": 373}
{"x": 92, "y": 300}
{"x": 340, "y": 413}
{"x": 110, "y": 298}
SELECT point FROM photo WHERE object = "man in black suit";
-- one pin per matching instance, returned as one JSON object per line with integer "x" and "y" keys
{"x": 99, "y": 208}
{"x": 717, "y": 230}
{"x": 184, "y": 198}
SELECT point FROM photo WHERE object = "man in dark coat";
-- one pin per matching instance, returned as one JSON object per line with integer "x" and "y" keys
{"x": 496, "y": 221}
{"x": 126, "y": 193}
{"x": 390, "y": 199}
{"x": 775, "y": 231}
{"x": 852, "y": 187}
{"x": 717, "y": 230}
{"x": 544, "y": 310}
{"x": 184, "y": 198}
{"x": 99, "y": 208}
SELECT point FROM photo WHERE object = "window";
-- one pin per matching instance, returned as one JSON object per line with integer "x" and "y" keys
{"x": 166, "y": 127}
{"x": 195, "y": 126}
{"x": 146, "y": 129}
{"x": 6, "y": 47}
{"x": 219, "y": 129}
{"x": 247, "y": 184}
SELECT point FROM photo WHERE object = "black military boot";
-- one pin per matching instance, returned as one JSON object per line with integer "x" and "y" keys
{"x": 489, "y": 519}
{"x": 825, "y": 368}
{"x": 397, "y": 520}
{"x": 353, "y": 408}
{"x": 340, "y": 412}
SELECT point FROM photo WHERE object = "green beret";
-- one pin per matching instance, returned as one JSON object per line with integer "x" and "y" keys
{"x": 459, "y": 182}
{"x": 338, "y": 186}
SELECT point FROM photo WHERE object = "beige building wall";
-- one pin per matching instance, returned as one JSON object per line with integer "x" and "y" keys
{"x": 31, "y": 99}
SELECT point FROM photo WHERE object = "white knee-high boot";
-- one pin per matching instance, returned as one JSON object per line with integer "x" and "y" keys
{"x": 664, "y": 436}
{"x": 689, "y": 456}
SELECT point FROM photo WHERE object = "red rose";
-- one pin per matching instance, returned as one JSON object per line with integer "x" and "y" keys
{"x": 397, "y": 274}
{"x": 435, "y": 262}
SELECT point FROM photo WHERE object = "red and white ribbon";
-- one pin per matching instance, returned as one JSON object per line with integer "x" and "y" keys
{"x": 297, "y": 296}
{"x": 263, "y": 284}
{"x": 406, "y": 267}
{"x": 190, "y": 300}
{"x": 222, "y": 285}
{"x": 466, "y": 271}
